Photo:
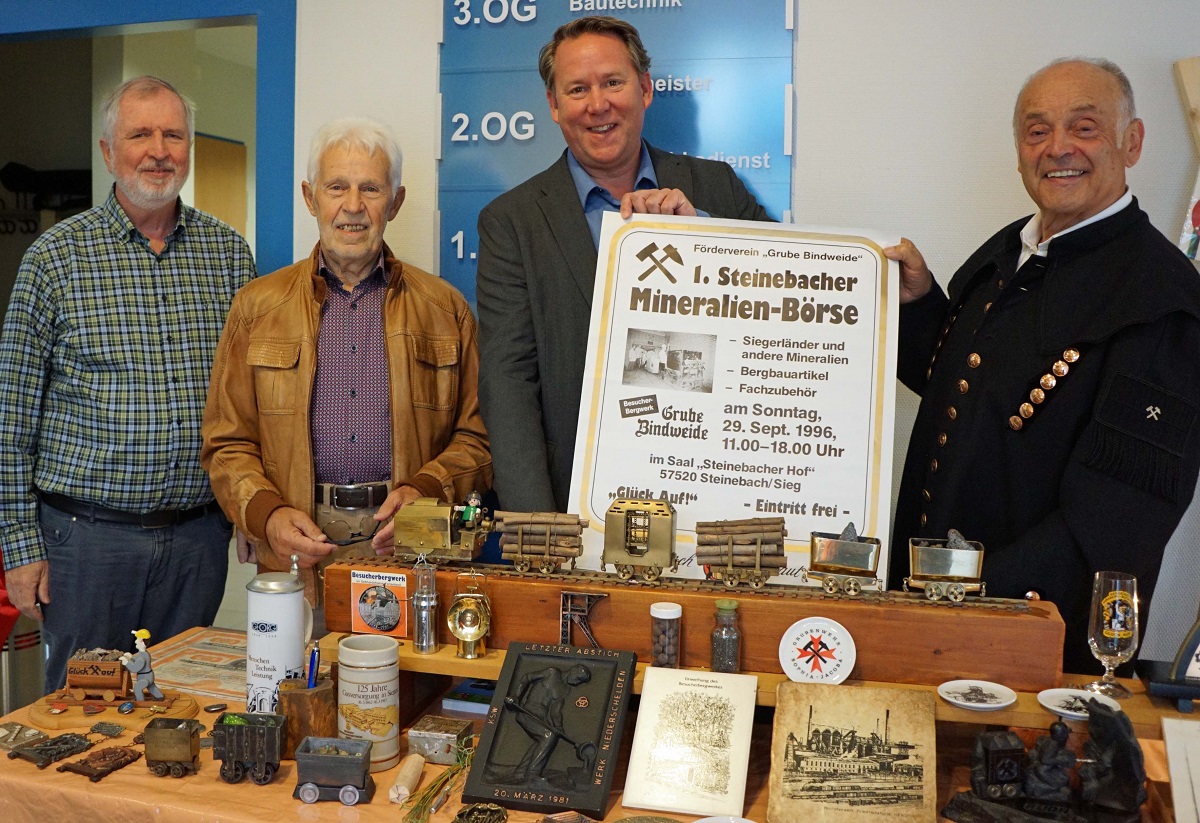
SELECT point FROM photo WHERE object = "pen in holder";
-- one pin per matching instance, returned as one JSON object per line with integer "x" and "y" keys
{"x": 311, "y": 711}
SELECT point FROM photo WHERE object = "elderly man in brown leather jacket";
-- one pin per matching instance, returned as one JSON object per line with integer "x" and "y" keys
{"x": 344, "y": 385}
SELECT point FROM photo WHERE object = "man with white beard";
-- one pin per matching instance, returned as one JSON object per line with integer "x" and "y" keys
{"x": 107, "y": 520}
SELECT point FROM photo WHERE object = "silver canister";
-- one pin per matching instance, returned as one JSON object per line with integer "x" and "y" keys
{"x": 424, "y": 600}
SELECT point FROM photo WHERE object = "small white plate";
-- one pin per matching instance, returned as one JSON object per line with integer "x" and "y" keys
{"x": 817, "y": 650}
{"x": 1067, "y": 702}
{"x": 977, "y": 695}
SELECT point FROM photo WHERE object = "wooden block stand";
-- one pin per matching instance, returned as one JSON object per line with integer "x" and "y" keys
{"x": 899, "y": 639}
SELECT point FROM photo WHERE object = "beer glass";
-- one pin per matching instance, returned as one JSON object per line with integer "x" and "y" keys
{"x": 1113, "y": 628}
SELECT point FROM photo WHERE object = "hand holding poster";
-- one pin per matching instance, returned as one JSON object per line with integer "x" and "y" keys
{"x": 739, "y": 369}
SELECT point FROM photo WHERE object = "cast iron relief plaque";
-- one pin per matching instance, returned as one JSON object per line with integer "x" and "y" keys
{"x": 553, "y": 732}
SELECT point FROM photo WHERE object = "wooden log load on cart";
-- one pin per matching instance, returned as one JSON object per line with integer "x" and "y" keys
{"x": 736, "y": 551}
{"x": 548, "y": 539}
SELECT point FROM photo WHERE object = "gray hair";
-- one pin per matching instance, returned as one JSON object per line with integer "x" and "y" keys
{"x": 1127, "y": 113}
{"x": 356, "y": 132}
{"x": 596, "y": 24}
{"x": 144, "y": 86}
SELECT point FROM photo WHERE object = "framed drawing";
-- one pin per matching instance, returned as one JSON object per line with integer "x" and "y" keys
{"x": 553, "y": 732}
{"x": 842, "y": 754}
{"x": 691, "y": 746}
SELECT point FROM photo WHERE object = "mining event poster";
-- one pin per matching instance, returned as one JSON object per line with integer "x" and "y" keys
{"x": 739, "y": 369}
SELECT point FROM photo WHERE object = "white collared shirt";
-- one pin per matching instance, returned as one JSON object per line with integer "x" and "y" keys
{"x": 1033, "y": 229}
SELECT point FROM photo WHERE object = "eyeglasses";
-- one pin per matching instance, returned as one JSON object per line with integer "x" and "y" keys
{"x": 344, "y": 533}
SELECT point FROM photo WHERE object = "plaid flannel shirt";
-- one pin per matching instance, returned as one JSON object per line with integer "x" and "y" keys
{"x": 106, "y": 350}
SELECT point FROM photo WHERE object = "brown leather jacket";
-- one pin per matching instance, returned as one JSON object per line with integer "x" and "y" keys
{"x": 257, "y": 430}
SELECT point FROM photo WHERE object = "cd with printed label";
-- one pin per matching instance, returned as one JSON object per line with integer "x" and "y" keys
{"x": 379, "y": 608}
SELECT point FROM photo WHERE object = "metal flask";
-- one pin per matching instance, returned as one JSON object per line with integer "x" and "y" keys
{"x": 278, "y": 626}
{"x": 424, "y": 600}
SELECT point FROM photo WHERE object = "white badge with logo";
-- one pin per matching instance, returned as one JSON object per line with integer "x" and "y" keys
{"x": 817, "y": 650}
{"x": 278, "y": 627}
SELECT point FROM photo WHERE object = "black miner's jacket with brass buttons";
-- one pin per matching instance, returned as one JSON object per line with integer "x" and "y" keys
{"x": 1060, "y": 413}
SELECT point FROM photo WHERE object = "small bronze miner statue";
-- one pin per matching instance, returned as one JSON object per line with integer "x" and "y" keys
{"x": 1112, "y": 776}
{"x": 1048, "y": 767}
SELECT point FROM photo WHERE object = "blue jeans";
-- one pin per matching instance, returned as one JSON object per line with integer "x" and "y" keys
{"x": 108, "y": 579}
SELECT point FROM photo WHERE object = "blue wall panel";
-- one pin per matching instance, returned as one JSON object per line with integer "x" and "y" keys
{"x": 720, "y": 71}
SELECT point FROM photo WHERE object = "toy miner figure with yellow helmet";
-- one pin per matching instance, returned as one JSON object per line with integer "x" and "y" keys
{"x": 139, "y": 666}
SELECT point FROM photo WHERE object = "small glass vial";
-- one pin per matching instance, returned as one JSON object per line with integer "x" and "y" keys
{"x": 726, "y": 638}
{"x": 665, "y": 634}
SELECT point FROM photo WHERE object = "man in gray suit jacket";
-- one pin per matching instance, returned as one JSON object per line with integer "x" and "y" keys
{"x": 537, "y": 250}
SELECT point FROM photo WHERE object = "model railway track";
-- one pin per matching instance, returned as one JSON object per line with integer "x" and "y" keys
{"x": 584, "y": 577}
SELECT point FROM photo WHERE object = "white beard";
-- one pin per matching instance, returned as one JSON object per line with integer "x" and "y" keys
{"x": 151, "y": 196}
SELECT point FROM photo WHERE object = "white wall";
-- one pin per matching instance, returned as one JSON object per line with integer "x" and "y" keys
{"x": 904, "y": 115}
{"x": 375, "y": 58}
{"x": 903, "y": 125}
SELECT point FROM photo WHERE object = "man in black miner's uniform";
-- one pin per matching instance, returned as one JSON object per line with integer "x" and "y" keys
{"x": 1060, "y": 379}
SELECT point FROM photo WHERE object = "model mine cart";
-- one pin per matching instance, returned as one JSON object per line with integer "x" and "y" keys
{"x": 249, "y": 742}
{"x": 843, "y": 562}
{"x": 173, "y": 746}
{"x": 548, "y": 539}
{"x": 441, "y": 532}
{"x": 97, "y": 674}
{"x": 947, "y": 568}
{"x": 639, "y": 534}
{"x": 737, "y": 551}
{"x": 329, "y": 768}
{"x": 998, "y": 765}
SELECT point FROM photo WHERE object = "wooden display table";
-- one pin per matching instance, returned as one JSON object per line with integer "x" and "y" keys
{"x": 901, "y": 638}
{"x": 132, "y": 795}
{"x": 1145, "y": 712}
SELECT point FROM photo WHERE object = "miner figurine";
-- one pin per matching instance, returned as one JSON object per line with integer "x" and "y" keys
{"x": 139, "y": 665}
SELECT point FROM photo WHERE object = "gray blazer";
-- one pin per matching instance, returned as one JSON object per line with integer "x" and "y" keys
{"x": 537, "y": 267}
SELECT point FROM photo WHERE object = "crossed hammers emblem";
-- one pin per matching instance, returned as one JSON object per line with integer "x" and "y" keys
{"x": 669, "y": 253}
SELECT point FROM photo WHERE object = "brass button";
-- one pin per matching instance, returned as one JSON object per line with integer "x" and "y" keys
{"x": 1032, "y": 595}
{"x": 1060, "y": 368}
{"x": 963, "y": 386}
{"x": 929, "y": 372}
{"x": 952, "y": 413}
{"x": 1000, "y": 284}
{"x": 942, "y": 439}
{"x": 1071, "y": 355}
{"x": 1048, "y": 382}
{"x": 933, "y": 464}
{"x": 987, "y": 306}
{"x": 924, "y": 519}
{"x": 973, "y": 360}
{"x": 1037, "y": 395}
{"x": 1015, "y": 423}
{"x": 1026, "y": 410}
{"x": 928, "y": 497}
